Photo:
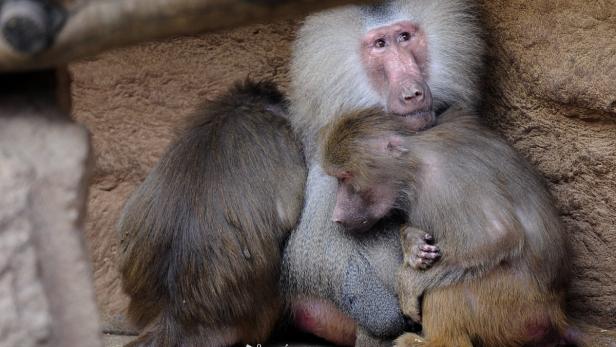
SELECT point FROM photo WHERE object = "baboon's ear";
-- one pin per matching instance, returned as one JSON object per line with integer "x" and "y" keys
{"x": 394, "y": 145}
{"x": 391, "y": 145}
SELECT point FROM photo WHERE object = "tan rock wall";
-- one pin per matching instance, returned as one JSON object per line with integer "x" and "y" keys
{"x": 552, "y": 93}
{"x": 551, "y": 90}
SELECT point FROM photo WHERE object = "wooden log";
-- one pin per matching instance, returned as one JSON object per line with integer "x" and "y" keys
{"x": 93, "y": 26}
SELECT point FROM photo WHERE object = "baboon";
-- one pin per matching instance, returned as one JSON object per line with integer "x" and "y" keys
{"x": 501, "y": 277}
{"x": 202, "y": 236}
{"x": 409, "y": 57}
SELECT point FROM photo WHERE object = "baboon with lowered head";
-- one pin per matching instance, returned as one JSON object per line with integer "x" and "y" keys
{"x": 501, "y": 276}
{"x": 202, "y": 236}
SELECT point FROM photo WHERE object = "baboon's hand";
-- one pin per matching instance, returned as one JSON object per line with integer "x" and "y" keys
{"x": 420, "y": 253}
{"x": 409, "y": 340}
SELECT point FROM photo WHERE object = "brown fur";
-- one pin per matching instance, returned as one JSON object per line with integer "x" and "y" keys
{"x": 202, "y": 236}
{"x": 501, "y": 279}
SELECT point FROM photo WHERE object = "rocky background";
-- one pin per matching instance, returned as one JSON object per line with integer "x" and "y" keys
{"x": 550, "y": 90}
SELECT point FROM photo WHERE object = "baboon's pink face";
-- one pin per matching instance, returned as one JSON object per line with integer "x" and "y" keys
{"x": 358, "y": 211}
{"x": 395, "y": 57}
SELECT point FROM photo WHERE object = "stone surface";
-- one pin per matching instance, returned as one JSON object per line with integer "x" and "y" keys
{"x": 46, "y": 294}
{"x": 550, "y": 90}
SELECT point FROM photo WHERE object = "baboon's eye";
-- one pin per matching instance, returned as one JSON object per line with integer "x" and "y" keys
{"x": 405, "y": 36}
{"x": 380, "y": 43}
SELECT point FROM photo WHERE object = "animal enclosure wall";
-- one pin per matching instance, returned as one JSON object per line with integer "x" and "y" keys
{"x": 550, "y": 90}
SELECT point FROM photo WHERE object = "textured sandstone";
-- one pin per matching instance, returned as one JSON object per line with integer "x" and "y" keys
{"x": 551, "y": 91}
